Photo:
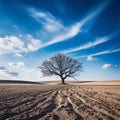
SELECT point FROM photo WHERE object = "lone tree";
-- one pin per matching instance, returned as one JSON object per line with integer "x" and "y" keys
{"x": 62, "y": 66}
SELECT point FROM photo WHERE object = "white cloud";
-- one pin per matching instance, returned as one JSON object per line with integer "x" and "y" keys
{"x": 16, "y": 65}
{"x": 6, "y": 73}
{"x": 33, "y": 44}
{"x": 19, "y": 71}
{"x": 90, "y": 44}
{"x": 2, "y": 68}
{"x": 13, "y": 44}
{"x": 106, "y": 66}
{"x": 90, "y": 58}
{"x": 10, "y": 44}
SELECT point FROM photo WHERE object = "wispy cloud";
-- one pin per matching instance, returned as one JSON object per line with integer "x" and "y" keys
{"x": 47, "y": 20}
{"x": 61, "y": 32}
{"x": 67, "y": 33}
{"x": 94, "y": 13}
{"x": 90, "y": 44}
{"x": 106, "y": 52}
{"x": 101, "y": 53}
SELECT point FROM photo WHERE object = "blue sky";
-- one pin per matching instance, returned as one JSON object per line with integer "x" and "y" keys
{"x": 34, "y": 30}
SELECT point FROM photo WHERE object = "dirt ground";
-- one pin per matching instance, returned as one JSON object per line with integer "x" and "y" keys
{"x": 59, "y": 102}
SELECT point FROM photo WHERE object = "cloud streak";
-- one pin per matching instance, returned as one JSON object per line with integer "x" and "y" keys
{"x": 101, "y": 53}
{"x": 90, "y": 44}
{"x": 94, "y": 13}
{"x": 51, "y": 24}
{"x": 67, "y": 33}
{"x": 61, "y": 32}
{"x": 106, "y": 52}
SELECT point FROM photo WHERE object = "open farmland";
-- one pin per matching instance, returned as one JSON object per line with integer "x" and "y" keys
{"x": 59, "y": 102}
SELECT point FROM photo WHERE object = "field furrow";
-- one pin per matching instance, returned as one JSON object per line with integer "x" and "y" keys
{"x": 60, "y": 102}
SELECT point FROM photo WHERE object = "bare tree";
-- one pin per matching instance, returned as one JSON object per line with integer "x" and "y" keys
{"x": 62, "y": 66}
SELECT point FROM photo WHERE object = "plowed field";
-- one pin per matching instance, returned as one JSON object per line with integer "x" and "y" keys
{"x": 59, "y": 102}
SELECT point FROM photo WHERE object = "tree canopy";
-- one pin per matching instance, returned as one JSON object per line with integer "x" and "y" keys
{"x": 62, "y": 66}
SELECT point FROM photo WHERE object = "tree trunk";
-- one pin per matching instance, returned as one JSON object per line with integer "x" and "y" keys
{"x": 63, "y": 80}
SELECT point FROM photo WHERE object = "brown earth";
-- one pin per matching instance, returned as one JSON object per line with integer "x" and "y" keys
{"x": 80, "y": 101}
